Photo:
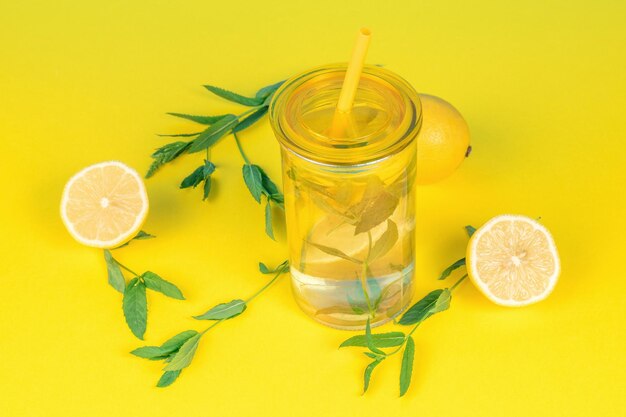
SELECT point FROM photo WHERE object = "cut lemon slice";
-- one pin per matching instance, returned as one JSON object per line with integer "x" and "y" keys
{"x": 513, "y": 260}
{"x": 104, "y": 205}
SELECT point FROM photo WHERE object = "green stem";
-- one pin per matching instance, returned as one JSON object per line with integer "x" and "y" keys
{"x": 420, "y": 322}
{"x": 211, "y": 326}
{"x": 364, "y": 277}
{"x": 243, "y": 155}
{"x": 125, "y": 267}
{"x": 281, "y": 271}
{"x": 247, "y": 112}
{"x": 458, "y": 282}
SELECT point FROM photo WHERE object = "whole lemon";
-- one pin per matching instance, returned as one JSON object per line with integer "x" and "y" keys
{"x": 443, "y": 141}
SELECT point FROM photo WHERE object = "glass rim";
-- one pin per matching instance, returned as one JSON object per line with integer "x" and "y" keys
{"x": 395, "y": 142}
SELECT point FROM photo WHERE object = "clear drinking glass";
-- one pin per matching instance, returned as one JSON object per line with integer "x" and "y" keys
{"x": 349, "y": 201}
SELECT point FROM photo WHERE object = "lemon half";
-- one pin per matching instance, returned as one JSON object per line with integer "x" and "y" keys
{"x": 513, "y": 260}
{"x": 104, "y": 205}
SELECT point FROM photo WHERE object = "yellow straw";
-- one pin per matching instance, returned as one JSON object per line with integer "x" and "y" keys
{"x": 350, "y": 83}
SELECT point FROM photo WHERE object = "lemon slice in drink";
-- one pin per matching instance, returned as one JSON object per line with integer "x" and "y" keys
{"x": 104, "y": 205}
{"x": 513, "y": 260}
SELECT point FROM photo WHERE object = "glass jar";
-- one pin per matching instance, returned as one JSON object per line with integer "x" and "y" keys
{"x": 349, "y": 200}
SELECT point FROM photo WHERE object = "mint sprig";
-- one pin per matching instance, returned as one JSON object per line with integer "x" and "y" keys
{"x": 134, "y": 298}
{"x": 218, "y": 127}
{"x": 178, "y": 352}
{"x": 434, "y": 302}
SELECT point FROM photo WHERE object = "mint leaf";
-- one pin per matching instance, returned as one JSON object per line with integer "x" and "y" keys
{"x": 446, "y": 272}
{"x": 470, "y": 230}
{"x": 368, "y": 373}
{"x": 143, "y": 235}
{"x": 205, "y": 120}
{"x": 269, "y": 90}
{"x": 223, "y": 311}
{"x": 214, "y": 133}
{"x": 135, "y": 307}
{"x": 265, "y": 270}
{"x": 166, "y": 154}
{"x": 259, "y": 183}
{"x": 369, "y": 340}
{"x": 234, "y": 97}
{"x": 156, "y": 283}
{"x": 434, "y": 302}
{"x": 201, "y": 174}
{"x": 252, "y": 175}
{"x": 173, "y": 344}
{"x": 195, "y": 178}
{"x": 269, "y": 229}
{"x": 153, "y": 353}
{"x": 168, "y": 378}
{"x": 115, "y": 276}
{"x": 250, "y": 120}
{"x": 406, "y": 369}
{"x": 183, "y": 357}
{"x": 139, "y": 236}
{"x": 206, "y": 188}
{"x": 178, "y": 135}
{"x": 386, "y": 241}
{"x": 380, "y": 340}
{"x": 271, "y": 190}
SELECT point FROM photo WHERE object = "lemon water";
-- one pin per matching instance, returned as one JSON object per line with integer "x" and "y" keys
{"x": 349, "y": 198}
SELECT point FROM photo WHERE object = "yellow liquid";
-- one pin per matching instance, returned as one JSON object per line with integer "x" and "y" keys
{"x": 350, "y": 216}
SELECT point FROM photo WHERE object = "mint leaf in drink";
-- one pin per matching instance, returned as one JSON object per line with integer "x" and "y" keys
{"x": 234, "y": 97}
{"x": 334, "y": 252}
{"x": 268, "y": 91}
{"x": 165, "y": 154}
{"x": 156, "y": 283}
{"x": 380, "y": 340}
{"x": 434, "y": 302}
{"x": 446, "y": 272}
{"x": 250, "y": 120}
{"x": 368, "y": 373}
{"x": 254, "y": 180}
{"x": 470, "y": 230}
{"x": 135, "y": 307}
{"x": 269, "y": 229}
{"x": 376, "y": 210}
{"x": 115, "y": 276}
{"x": 204, "y": 120}
{"x": 168, "y": 378}
{"x": 386, "y": 241}
{"x": 223, "y": 311}
{"x": 406, "y": 369}
{"x": 214, "y": 133}
{"x": 184, "y": 356}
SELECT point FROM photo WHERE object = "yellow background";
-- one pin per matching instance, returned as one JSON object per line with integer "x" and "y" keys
{"x": 542, "y": 86}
